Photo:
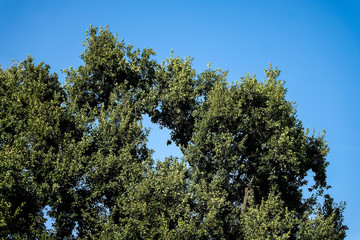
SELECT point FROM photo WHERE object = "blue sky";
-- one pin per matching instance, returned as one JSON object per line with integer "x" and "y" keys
{"x": 316, "y": 45}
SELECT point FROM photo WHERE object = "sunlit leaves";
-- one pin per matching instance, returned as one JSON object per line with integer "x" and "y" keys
{"x": 78, "y": 152}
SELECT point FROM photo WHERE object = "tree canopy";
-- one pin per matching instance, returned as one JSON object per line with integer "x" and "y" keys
{"x": 78, "y": 152}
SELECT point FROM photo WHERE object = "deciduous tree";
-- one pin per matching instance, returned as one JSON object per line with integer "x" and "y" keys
{"x": 79, "y": 150}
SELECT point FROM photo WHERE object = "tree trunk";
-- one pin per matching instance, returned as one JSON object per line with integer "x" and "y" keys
{"x": 247, "y": 190}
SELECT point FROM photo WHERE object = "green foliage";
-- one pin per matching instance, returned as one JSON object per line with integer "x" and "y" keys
{"x": 272, "y": 220}
{"x": 80, "y": 151}
{"x": 327, "y": 223}
{"x": 178, "y": 91}
{"x": 31, "y": 129}
{"x": 269, "y": 220}
{"x": 159, "y": 207}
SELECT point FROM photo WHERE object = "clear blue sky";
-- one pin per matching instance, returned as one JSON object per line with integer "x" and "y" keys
{"x": 316, "y": 44}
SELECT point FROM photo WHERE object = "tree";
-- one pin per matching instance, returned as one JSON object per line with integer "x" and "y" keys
{"x": 105, "y": 98}
{"x": 80, "y": 150}
{"x": 32, "y": 123}
{"x": 248, "y": 136}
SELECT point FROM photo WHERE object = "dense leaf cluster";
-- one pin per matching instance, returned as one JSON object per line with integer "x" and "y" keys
{"x": 78, "y": 152}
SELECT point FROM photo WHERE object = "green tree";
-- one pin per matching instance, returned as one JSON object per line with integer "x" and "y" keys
{"x": 105, "y": 98}
{"x": 247, "y": 136}
{"x": 80, "y": 150}
{"x": 32, "y": 126}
